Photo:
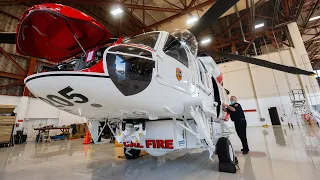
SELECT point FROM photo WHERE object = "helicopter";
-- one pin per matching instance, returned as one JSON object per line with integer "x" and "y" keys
{"x": 155, "y": 91}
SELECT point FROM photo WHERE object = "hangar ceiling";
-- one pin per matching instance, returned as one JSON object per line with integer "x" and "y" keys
{"x": 234, "y": 31}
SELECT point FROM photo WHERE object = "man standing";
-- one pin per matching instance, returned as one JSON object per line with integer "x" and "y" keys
{"x": 240, "y": 123}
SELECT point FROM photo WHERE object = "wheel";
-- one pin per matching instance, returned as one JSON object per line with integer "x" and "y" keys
{"x": 225, "y": 150}
{"x": 227, "y": 159}
{"x": 134, "y": 152}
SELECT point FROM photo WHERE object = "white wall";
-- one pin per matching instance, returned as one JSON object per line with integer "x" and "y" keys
{"x": 271, "y": 86}
{"x": 40, "y": 109}
{"x": 9, "y": 100}
{"x": 36, "y": 113}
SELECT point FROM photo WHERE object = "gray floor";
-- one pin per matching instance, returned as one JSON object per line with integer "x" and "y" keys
{"x": 276, "y": 153}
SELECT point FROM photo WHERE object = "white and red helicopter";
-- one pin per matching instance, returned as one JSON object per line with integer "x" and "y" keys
{"x": 155, "y": 89}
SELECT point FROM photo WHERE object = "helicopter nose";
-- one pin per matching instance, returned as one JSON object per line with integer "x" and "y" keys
{"x": 130, "y": 68}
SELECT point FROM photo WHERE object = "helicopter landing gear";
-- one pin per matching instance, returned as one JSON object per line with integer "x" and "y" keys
{"x": 131, "y": 153}
{"x": 203, "y": 123}
{"x": 227, "y": 160}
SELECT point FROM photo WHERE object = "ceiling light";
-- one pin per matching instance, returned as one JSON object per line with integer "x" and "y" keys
{"x": 259, "y": 25}
{"x": 116, "y": 11}
{"x": 206, "y": 41}
{"x": 314, "y": 18}
{"x": 192, "y": 20}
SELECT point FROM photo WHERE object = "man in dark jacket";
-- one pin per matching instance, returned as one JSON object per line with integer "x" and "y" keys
{"x": 240, "y": 123}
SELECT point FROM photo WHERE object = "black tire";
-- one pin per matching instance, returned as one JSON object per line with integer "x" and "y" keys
{"x": 135, "y": 153}
{"x": 225, "y": 151}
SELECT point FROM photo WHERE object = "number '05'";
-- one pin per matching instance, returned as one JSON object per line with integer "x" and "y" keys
{"x": 66, "y": 93}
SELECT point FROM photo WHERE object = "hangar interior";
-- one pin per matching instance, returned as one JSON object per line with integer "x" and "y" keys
{"x": 283, "y": 136}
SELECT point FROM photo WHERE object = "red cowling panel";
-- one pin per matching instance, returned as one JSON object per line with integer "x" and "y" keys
{"x": 48, "y": 31}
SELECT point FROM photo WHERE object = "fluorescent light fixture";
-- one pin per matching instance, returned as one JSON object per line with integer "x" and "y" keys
{"x": 314, "y": 18}
{"x": 116, "y": 11}
{"x": 206, "y": 41}
{"x": 259, "y": 25}
{"x": 192, "y": 20}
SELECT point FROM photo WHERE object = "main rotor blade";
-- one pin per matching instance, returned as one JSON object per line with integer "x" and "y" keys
{"x": 260, "y": 62}
{"x": 7, "y": 37}
{"x": 212, "y": 15}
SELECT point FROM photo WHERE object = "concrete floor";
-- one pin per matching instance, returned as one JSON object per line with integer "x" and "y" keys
{"x": 276, "y": 153}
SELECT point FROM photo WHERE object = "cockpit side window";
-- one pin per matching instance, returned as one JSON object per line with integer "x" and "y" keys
{"x": 175, "y": 49}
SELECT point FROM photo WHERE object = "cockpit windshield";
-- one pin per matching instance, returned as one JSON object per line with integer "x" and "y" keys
{"x": 148, "y": 39}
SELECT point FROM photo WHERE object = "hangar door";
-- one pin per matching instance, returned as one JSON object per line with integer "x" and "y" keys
{"x": 274, "y": 116}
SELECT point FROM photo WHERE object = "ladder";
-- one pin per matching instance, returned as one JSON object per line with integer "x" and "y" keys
{"x": 300, "y": 108}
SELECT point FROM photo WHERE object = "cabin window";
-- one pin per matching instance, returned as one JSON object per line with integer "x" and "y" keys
{"x": 174, "y": 48}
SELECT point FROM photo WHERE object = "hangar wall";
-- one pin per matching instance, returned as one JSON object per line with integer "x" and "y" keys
{"x": 36, "y": 113}
{"x": 260, "y": 88}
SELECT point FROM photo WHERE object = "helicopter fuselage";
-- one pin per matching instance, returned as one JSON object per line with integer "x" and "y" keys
{"x": 137, "y": 81}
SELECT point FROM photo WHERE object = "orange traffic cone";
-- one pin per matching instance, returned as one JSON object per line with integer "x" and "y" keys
{"x": 86, "y": 139}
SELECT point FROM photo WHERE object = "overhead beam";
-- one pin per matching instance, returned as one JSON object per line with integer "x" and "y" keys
{"x": 306, "y": 6}
{"x": 237, "y": 36}
{"x": 263, "y": 16}
{"x": 126, "y": 5}
{"x": 184, "y": 3}
{"x": 239, "y": 19}
{"x": 13, "y": 16}
{"x": 278, "y": 40}
{"x": 248, "y": 46}
{"x": 317, "y": 35}
{"x": 27, "y": 59}
{"x": 12, "y": 84}
{"x": 184, "y": 12}
{"x": 285, "y": 7}
{"x": 31, "y": 69}
{"x": 13, "y": 61}
{"x": 134, "y": 17}
{"x": 172, "y": 4}
{"x": 234, "y": 23}
{"x": 11, "y": 75}
{"x": 310, "y": 14}
{"x": 238, "y": 39}
{"x": 16, "y": 2}
{"x": 191, "y": 3}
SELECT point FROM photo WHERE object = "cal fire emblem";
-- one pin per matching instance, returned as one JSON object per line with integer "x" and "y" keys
{"x": 178, "y": 74}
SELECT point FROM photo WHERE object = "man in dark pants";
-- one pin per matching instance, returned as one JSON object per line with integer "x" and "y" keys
{"x": 240, "y": 123}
